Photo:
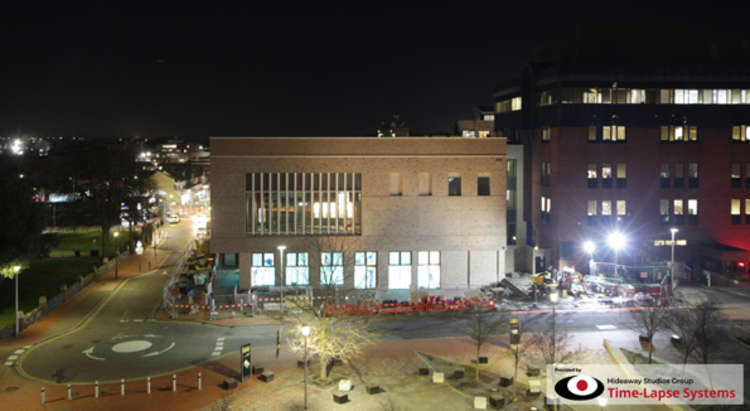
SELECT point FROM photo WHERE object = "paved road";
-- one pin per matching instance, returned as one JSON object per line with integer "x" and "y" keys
{"x": 122, "y": 340}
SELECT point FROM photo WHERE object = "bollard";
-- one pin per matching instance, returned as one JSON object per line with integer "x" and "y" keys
{"x": 96, "y": 389}
{"x": 70, "y": 394}
{"x": 148, "y": 385}
{"x": 122, "y": 386}
{"x": 174, "y": 382}
{"x": 44, "y": 395}
{"x": 200, "y": 382}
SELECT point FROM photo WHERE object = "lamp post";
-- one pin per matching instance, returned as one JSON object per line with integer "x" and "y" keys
{"x": 16, "y": 270}
{"x": 589, "y": 247}
{"x": 674, "y": 231}
{"x": 305, "y": 332}
{"x": 553, "y": 298}
{"x": 282, "y": 248}
{"x": 616, "y": 241}
{"x": 117, "y": 253}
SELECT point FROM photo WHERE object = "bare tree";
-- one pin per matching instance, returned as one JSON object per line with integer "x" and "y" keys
{"x": 648, "y": 320}
{"x": 708, "y": 319}
{"x": 481, "y": 327}
{"x": 681, "y": 322}
{"x": 554, "y": 344}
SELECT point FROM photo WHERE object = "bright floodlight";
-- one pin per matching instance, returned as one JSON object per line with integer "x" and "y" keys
{"x": 117, "y": 234}
{"x": 282, "y": 248}
{"x": 305, "y": 330}
{"x": 16, "y": 268}
{"x": 673, "y": 230}
{"x": 589, "y": 247}
{"x": 553, "y": 297}
{"x": 616, "y": 240}
{"x": 602, "y": 402}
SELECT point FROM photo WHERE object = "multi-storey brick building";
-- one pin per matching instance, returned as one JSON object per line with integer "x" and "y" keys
{"x": 636, "y": 145}
{"x": 412, "y": 212}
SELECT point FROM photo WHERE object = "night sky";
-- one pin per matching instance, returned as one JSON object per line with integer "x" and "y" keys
{"x": 196, "y": 72}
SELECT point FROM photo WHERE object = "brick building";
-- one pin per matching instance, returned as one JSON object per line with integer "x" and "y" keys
{"x": 635, "y": 137}
{"x": 401, "y": 213}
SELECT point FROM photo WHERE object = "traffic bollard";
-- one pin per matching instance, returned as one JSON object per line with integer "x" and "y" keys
{"x": 96, "y": 389}
{"x": 200, "y": 381}
{"x": 70, "y": 394}
{"x": 148, "y": 385}
{"x": 174, "y": 382}
{"x": 122, "y": 386}
{"x": 44, "y": 395}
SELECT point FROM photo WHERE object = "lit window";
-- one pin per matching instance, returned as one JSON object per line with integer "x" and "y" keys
{"x": 468, "y": 133}
{"x": 613, "y": 133}
{"x": 428, "y": 269}
{"x": 741, "y": 133}
{"x": 297, "y": 271}
{"x": 692, "y": 205}
{"x": 516, "y": 104}
{"x": 678, "y": 207}
{"x": 591, "y": 171}
{"x": 637, "y": 96}
{"x": 262, "y": 269}
{"x": 735, "y": 206}
{"x": 592, "y": 134}
{"x": 332, "y": 268}
{"x": 546, "y": 134}
{"x": 591, "y": 208}
{"x": 621, "y": 208}
{"x": 664, "y": 211}
{"x": 720, "y": 96}
{"x": 736, "y": 175}
{"x": 365, "y": 269}
{"x": 592, "y": 96}
{"x": 622, "y": 175}
{"x": 484, "y": 133}
{"x": 399, "y": 269}
{"x": 606, "y": 208}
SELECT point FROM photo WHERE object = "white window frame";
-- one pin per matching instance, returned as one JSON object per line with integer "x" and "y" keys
{"x": 399, "y": 269}
{"x": 297, "y": 266}
{"x": 365, "y": 269}
{"x": 331, "y": 268}
{"x": 263, "y": 272}
{"x": 428, "y": 269}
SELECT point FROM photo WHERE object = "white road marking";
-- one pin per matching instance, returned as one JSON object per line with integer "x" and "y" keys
{"x": 90, "y": 353}
{"x": 131, "y": 346}
{"x": 12, "y": 357}
{"x": 138, "y": 320}
{"x": 19, "y": 351}
{"x": 606, "y": 327}
{"x": 220, "y": 339}
{"x": 27, "y": 346}
{"x": 151, "y": 354}
{"x": 9, "y": 363}
{"x": 216, "y": 353}
{"x": 124, "y": 321}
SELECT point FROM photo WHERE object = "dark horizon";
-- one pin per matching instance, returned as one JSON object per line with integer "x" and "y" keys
{"x": 319, "y": 72}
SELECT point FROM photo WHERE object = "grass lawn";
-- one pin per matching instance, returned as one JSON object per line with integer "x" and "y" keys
{"x": 44, "y": 277}
{"x": 87, "y": 241}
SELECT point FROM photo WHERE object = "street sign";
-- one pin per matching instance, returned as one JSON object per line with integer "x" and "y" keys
{"x": 246, "y": 362}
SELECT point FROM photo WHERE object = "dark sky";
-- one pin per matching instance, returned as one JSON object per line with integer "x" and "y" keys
{"x": 196, "y": 72}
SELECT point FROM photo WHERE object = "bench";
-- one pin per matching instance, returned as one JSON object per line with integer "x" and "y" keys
{"x": 340, "y": 397}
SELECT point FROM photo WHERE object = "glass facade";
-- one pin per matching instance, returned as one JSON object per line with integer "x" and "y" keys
{"x": 297, "y": 270}
{"x": 262, "y": 269}
{"x": 303, "y": 203}
{"x": 599, "y": 95}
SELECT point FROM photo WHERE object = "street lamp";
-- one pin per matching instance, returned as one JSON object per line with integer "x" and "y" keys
{"x": 282, "y": 248}
{"x": 16, "y": 270}
{"x": 117, "y": 253}
{"x": 616, "y": 241}
{"x": 305, "y": 332}
{"x": 674, "y": 231}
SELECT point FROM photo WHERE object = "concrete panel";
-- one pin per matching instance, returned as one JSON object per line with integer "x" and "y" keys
{"x": 482, "y": 268}
{"x": 455, "y": 272}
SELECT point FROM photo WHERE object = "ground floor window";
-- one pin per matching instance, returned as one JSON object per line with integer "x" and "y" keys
{"x": 399, "y": 269}
{"x": 297, "y": 271}
{"x": 263, "y": 271}
{"x": 428, "y": 270}
{"x": 365, "y": 269}
{"x": 332, "y": 268}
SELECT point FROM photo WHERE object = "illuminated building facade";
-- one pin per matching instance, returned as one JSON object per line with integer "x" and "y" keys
{"x": 385, "y": 215}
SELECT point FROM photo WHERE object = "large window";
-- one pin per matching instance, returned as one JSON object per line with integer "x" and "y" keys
{"x": 736, "y": 175}
{"x": 483, "y": 186}
{"x": 332, "y": 268}
{"x": 741, "y": 133}
{"x": 262, "y": 269}
{"x": 679, "y": 213}
{"x": 607, "y": 175}
{"x": 679, "y": 175}
{"x": 693, "y": 175}
{"x": 399, "y": 269}
{"x": 303, "y": 203}
{"x": 622, "y": 210}
{"x": 613, "y": 133}
{"x": 365, "y": 269}
{"x": 692, "y": 208}
{"x": 454, "y": 186}
{"x": 546, "y": 134}
{"x": 591, "y": 212}
{"x": 622, "y": 175}
{"x": 678, "y": 134}
{"x": 297, "y": 270}
{"x": 664, "y": 175}
{"x": 664, "y": 211}
{"x": 591, "y": 178}
{"x": 735, "y": 211}
{"x": 428, "y": 269}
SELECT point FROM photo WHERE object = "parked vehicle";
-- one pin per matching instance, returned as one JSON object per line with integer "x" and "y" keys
{"x": 173, "y": 218}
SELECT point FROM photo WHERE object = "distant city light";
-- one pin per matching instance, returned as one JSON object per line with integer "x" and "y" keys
{"x": 16, "y": 147}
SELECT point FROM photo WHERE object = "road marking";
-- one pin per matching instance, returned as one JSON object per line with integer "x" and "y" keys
{"x": 151, "y": 354}
{"x": 90, "y": 353}
{"x": 19, "y": 351}
{"x": 131, "y": 346}
{"x": 9, "y": 363}
{"x": 220, "y": 339}
{"x": 12, "y": 357}
{"x": 27, "y": 346}
{"x": 606, "y": 327}
{"x": 216, "y": 353}
{"x": 124, "y": 321}
{"x": 138, "y": 320}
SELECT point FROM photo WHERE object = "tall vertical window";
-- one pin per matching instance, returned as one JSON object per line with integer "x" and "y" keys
{"x": 591, "y": 178}
{"x": 428, "y": 269}
{"x": 637, "y": 96}
{"x": 741, "y": 133}
{"x": 693, "y": 175}
{"x": 546, "y": 134}
{"x": 679, "y": 213}
{"x": 399, "y": 269}
{"x": 622, "y": 175}
{"x": 607, "y": 175}
{"x": 747, "y": 211}
{"x": 607, "y": 211}
{"x": 454, "y": 186}
{"x": 510, "y": 200}
{"x": 262, "y": 269}
{"x": 425, "y": 184}
{"x": 365, "y": 269}
{"x": 679, "y": 175}
{"x": 664, "y": 211}
{"x": 516, "y": 103}
{"x": 592, "y": 137}
{"x": 664, "y": 175}
{"x": 591, "y": 212}
{"x": 545, "y": 208}
{"x": 692, "y": 208}
{"x": 332, "y": 268}
{"x": 546, "y": 172}
{"x": 303, "y": 203}
{"x": 736, "y": 175}
{"x": 734, "y": 208}
{"x": 297, "y": 270}
{"x": 483, "y": 186}
{"x": 396, "y": 184}
{"x": 592, "y": 96}
{"x": 622, "y": 210}
{"x": 678, "y": 134}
